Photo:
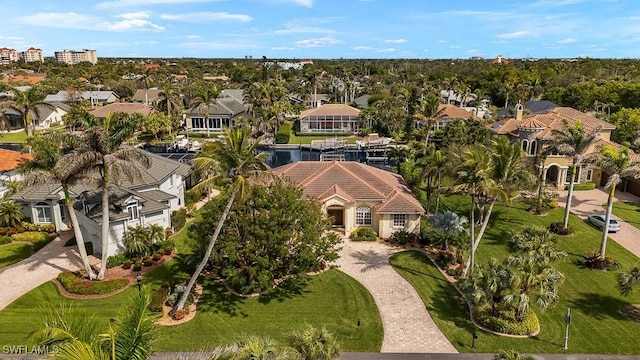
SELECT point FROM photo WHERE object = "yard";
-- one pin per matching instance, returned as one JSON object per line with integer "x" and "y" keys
{"x": 16, "y": 251}
{"x": 628, "y": 211}
{"x": 13, "y": 137}
{"x": 332, "y": 299}
{"x": 597, "y": 326}
{"x": 305, "y": 140}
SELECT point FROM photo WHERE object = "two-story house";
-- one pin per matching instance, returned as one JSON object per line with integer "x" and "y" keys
{"x": 222, "y": 113}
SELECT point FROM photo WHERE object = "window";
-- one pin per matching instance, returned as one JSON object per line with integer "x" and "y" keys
{"x": 170, "y": 181}
{"x": 567, "y": 180}
{"x": 363, "y": 216}
{"x": 525, "y": 145}
{"x": 132, "y": 210}
{"x": 533, "y": 147}
{"x": 589, "y": 174}
{"x": 398, "y": 220}
{"x": 44, "y": 213}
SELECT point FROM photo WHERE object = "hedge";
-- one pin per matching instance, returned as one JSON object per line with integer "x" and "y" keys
{"x": 27, "y": 226}
{"x": 363, "y": 234}
{"x": 284, "y": 134}
{"x": 75, "y": 285}
{"x": 585, "y": 186}
{"x": 178, "y": 219}
{"x": 158, "y": 299}
{"x": 506, "y": 322}
{"x": 5, "y": 239}
{"x": 331, "y": 134}
{"x": 36, "y": 238}
{"x": 116, "y": 260}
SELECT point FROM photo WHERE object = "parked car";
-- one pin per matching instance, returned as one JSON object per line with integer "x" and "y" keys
{"x": 598, "y": 221}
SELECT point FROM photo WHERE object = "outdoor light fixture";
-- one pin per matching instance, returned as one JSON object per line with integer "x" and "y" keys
{"x": 567, "y": 321}
{"x": 474, "y": 337}
{"x": 139, "y": 279}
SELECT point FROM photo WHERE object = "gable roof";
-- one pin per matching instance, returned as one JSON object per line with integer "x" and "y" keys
{"x": 99, "y": 96}
{"x": 451, "y": 111}
{"x": 117, "y": 203}
{"x": 352, "y": 180}
{"x": 10, "y": 159}
{"x": 331, "y": 110}
{"x": 127, "y": 108}
{"x": 152, "y": 95}
{"x": 227, "y": 106}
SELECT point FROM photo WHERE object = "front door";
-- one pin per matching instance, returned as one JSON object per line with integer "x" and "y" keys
{"x": 337, "y": 217}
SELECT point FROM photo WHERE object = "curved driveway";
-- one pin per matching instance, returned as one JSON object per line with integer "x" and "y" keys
{"x": 408, "y": 328}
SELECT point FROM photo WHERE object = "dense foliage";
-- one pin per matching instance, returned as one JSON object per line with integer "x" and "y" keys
{"x": 79, "y": 286}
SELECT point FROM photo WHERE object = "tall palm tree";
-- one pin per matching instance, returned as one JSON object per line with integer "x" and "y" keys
{"x": 234, "y": 159}
{"x": 573, "y": 141}
{"x": 73, "y": 334}
{"x": 169, "y": 99}
{"x": 627, "y": 280}
{"x": 429, "y": 112}
{"x": 619, "y": 165}
{"x": 111, "y": 161}
{"x": 434, "y": 165}
{"x": 28, "y": 102}
{"x": 204, "y": 97}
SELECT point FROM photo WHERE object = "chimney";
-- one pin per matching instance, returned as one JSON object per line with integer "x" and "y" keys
{"x": 519, "y": 111}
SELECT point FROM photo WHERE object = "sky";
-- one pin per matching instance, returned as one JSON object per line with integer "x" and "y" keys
{"x": 298, "y": 29}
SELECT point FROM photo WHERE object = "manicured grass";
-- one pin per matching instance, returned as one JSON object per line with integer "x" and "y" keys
{"x": 627, "y": 211}
{"x": 331, "y": 299}
{"x": 13, "y": 137}
{"x": 305, "y": 140}
{"x": 597, "y": 326}
{"x": 13, "y": 252}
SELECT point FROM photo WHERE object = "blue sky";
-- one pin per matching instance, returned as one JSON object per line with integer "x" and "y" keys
{"x": 326, "y": 28}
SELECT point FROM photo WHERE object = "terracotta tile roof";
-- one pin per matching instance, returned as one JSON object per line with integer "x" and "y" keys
{"x": 603, "y": 143}
{"x": 22, "y": 78}
{"x": 9, "y": 159}
{"x": 352, "y": 180}
{"x": 549, "y": 121}
{"x": 454, "y": 112}
{"x": 331, "y": 109}
{"x": 128, "y": 108}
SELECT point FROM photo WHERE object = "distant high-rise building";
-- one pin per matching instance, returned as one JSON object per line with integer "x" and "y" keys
{"x": 32, "y": 55}
{"x": 73, "y": 57}
{"x": 8, "y": 55}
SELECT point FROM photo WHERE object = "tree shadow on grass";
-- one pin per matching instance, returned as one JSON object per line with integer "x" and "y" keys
{"x": 216, "y": 298}
{"x": 422, "y": 258}
{"x": 599, "y": 306}
{"x": 288, "y": 289}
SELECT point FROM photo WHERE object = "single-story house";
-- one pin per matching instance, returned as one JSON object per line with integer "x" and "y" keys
{"x": 355, "y": 195}
{"x": 149, "y": 200}
{"x": 146, "y": 96}
{"x": 43, "y": 118}
{"x": 330, "y": 118}
{"x": 9, "y": 162}
{"x": 127, "y": 108}
{"x": 96, "y": 97}
{"x": 223, "y": 113}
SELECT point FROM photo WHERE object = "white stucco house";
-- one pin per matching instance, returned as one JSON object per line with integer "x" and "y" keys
{"x": 355, "y": 195}
{"x": 149, "y": 200}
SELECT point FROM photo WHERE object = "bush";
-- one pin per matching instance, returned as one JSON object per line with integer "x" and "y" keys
{"x": 173, "y": 299}
{"x": 126, "y": 264}
{"x": 167, "y": 246}
{"x": 36, "y": 238}
{"x": 27, "y": 226}
{"x": 363, "y": 234}
{"x": 76, "y": 285}
{"x": 116, "y": 260}
{"x": 179, "y": 218}
{"x": 8, "y": 231}
{"x": 585, "y": 186}
{"x": 48, "y": 228}
{"x": 158, "y": 299}
{"x": 283, "y": 134}
{"x": 147, "y": 262}
{"x": 4, "y": 239}
{"x": 557, "y": 228}
{"x": 191, "y": 197}
{"x": 594, "y": 261}
{"x": 156, "y": 256}
{"x": 404, "y": 237}
{"x": 137, "y": 266}
{"x": 506, "y": 322}
{"x": 549, "y": 202}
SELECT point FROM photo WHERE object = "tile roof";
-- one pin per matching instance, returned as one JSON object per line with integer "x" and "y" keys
{"x": 10, "y": 159}
{"x": 128, "y": 108}
{"x": 604, "y": 143}
{"x": 117, "y": 203}
{"x": 352, "y": 180}
{"x": 23, "y": 78}
{"x": 227, "y": 106}
{"x": 454, "y": 112}
{"x": 331, "y": 109}
{"x": 152, "y": 95}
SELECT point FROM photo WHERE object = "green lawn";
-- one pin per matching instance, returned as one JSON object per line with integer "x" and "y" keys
{"x": 13, "y": 137}
{"x": 13, "y": 252}
{"x": 332, "y": 299}
{"x": 305, "y": 140}
{"x": 597, "y": 325}
{"x": 627, "y": 211}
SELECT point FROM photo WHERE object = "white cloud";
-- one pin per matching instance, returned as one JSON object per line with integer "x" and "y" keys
{"x": 134, "y": 21}
{"x": 387, "y": 50}
{"x": 218, "y": 45}
{"x": 68, "y": 20}
{"x": 567, "y": 41}
{"x": 306, "y": 3}
{"x": 395, "y": 41}
{"x": 304, "y": 30}
{"x": 207, "y": 16}
{"x": 135, "y": 15}
{"x": 318, "y": 42}
{"x": 140, "y": 3}
{"x": 360, "y": 48}
{"x": 193, "y": 36}
{"x": 514, "y": 35}
{"x": 283, "y": 48}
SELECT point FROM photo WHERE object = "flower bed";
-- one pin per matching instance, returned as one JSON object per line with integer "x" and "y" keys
{"x": 505, "y": 322}
{"x": 79, "y": 286}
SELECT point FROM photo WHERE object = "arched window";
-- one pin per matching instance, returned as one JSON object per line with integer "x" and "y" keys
{"x": 525, "y": 145}
{"x": 533, "y": 147}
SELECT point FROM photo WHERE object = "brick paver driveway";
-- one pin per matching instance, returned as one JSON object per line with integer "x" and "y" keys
{"x": 591, "y": 201}
{"x": 408, "y": 328}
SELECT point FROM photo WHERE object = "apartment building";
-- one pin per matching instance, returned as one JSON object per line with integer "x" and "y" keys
{"x": 32, "y": 55}
{"x": 74, "y": 57}
{"x": 8, "y": 55}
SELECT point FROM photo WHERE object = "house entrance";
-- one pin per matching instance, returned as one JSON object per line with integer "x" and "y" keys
{"x": 337, "y": 216}
{"x": 553, "y": 173}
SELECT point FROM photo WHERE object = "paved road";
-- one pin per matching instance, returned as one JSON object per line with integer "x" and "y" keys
{"x": 408, "y": 328}
{"x": 43, "y": 266}
{"x": 591, "y": 201}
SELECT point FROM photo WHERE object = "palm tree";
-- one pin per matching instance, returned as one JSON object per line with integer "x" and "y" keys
{"x": 487, "y": 285}
{"x": 619, "y": 165}
{"x": 235, "y": 159}
{"x": 434, "y": 164}
{"x": 573, "y": 141}
{"x": 10, "y": 213}
{"x": 204, "y": 97}
{"x": 534, "y": 243}
{"x": 169, "y": 99}
{"x": 28, "y": 102}
{"x": 532, "y": 283}
{"x": 429, "y": 112}
{"x": 74, "y": 335}
{"x": 627, "y": 280}
{"x": 110, "y": 161}
{"x": 136, "y": 240}
{"x": 314, "y": 344}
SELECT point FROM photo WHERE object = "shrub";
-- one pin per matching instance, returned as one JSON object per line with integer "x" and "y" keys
{"x": 30, "y": 236}
{"x": 27, "y": 226}
{"x": 404, "y": 237}
{"x": 191, "y": 197}
{"x": 173, "y": 299}
{"x": 158, "y": 299}
{"x": 594, "y": 261}
{"x": 156, "y": 256}
{"x": 283, "y": 134}
{"x": 8, "y": 231}
{"x": 4, "y": 239}
{"x": 76, "y": 285}
{"x": 126, "y": 264}
{"x": 180, "y": 314}
{"x": 363, "y": 234}
{"x": 549, "y": 202}
{"x": 557, "y": 228}
{"x": 116, "y": 260}
{"x": 179, "y": 218}
{"x": 585, "y": 186}
{"x": 147, "y": 262}
{"x": 167, "y": 246}
{"x": 506, "y": 322}
{"x": 137, "y": 266}
{"x": 49, "y": 228}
